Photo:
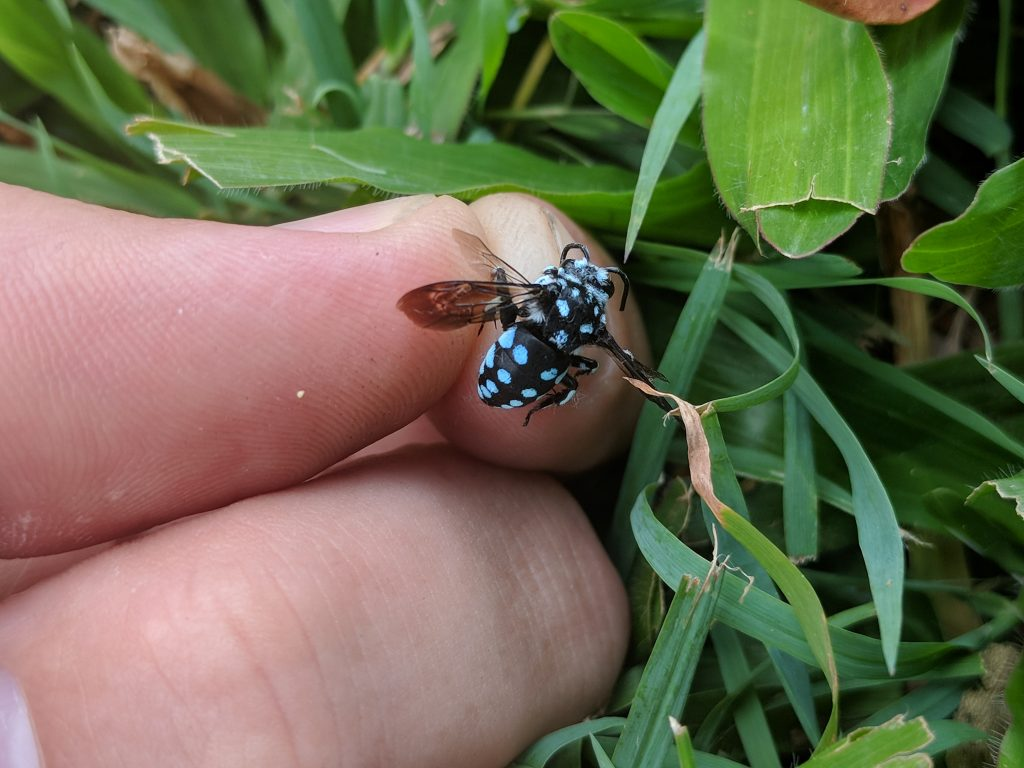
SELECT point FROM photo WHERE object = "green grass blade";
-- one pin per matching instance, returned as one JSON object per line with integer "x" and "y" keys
{"x": 800, "y": 490}
{"x": 878, "y": 533}
{"x": 679, "y": 364}
{"x": 792, "y": 674}
{"x": 801, "y": 596}
{"x": 459, "y": 70}
{"x": 684, "y": 746}
{"x": 542, "y": 750}
{"x": 65, "y": 60}
{"x": 770, "y": 468}
{"x": 1007, "y": 380}
{"x": 494, "y": 31}
{"x": 646, "y": 738}
{"x": 676, "y": 105}
{"x": 759, "y": 615}
{"x": 749, "y": 716}
{"x": 975, "y": 122}
{"x": 897, "y": 380}
{"x": 421, "y": 87}
{"x": 334, "y": 79}
{"x": 603, "y": 761}
{"x": 775, "y": 302}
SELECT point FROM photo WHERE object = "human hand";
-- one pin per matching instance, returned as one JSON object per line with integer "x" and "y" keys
{"x": 414, "y": 606}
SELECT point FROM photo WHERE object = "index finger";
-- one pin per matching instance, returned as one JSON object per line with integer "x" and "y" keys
{"x": 151, "y": 369}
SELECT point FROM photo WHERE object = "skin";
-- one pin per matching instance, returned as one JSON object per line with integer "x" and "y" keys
{"x": 176, "y": 593}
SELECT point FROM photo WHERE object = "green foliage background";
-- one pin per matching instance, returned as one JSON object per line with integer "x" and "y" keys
{"x": 862, "y": 422}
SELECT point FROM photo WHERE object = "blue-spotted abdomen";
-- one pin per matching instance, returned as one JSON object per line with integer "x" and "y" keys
{"x": 519, "y": 368}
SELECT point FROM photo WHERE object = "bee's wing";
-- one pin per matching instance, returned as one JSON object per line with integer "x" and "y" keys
{"x": 457, "y": 303}
{"x": 471, "y": 244}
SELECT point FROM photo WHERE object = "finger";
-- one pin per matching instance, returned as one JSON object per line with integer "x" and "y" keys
{"x": 352, "y": 620}
{"x": 599, "y": 420}
{"x": 152, "y": 368}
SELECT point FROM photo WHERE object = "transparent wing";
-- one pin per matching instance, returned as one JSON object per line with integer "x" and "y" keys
{"x": 474, "y": 246}
{"x": 458, "y": 303}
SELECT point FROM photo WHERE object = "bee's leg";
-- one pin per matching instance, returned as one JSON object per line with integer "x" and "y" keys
{"x": 507, "y": 310}
{"x": 556, "y": 397}
{"x": 583, "y": 365}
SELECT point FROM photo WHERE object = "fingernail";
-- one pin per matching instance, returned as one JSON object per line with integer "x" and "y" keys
{"x": 364, "y": 218}
{"x": 18, "y": 747}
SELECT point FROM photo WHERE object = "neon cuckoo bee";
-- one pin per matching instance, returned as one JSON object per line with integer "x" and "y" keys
{"x": 544, "y": 324}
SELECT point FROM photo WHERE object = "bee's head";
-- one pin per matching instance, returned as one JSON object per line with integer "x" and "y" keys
{"x": 599, "y": 274}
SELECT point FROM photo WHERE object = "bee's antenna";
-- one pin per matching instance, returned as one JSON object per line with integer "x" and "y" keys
{"x": 625, "y": 285}
{"x": 570, "y": 246}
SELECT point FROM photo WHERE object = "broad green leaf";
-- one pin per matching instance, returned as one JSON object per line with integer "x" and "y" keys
{"x": 1009, "y": 488}
{"x": 673, "y": 111}
{"x": 388, "y": 160}
{"x": 984, "y": 246}
{"x": 794, "y": 150}
{"x": 617, "y": 68}
{"x": 646, "y": 738}
{"x": 805, "y": 226}
{"x": 917, "y": 57}
{"x": 895, "y": 744}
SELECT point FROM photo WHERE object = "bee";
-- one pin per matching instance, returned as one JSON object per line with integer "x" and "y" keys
{"x": 545, "y": 322}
